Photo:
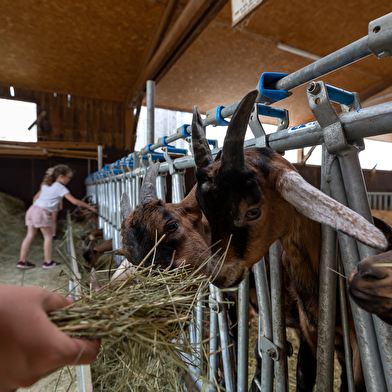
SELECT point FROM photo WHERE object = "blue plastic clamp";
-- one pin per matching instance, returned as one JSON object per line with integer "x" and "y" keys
{"x": 263, "y": 110}
{"x": 339, "y": 95}
{"x": 268, "y": 78}
{"x": 173, "y": 149}
{"x": 184, "y": 132}
{"x": 211, "y": 142}
{"x": 220, "y": 120}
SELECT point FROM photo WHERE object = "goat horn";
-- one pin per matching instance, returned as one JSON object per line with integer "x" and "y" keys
{"x": 316, "y": 205}
{"x": 148, "y": 190}
{"x": 125, "y": 205}
{"x": 233, "y": 146}
{"x": 201, "y": 149}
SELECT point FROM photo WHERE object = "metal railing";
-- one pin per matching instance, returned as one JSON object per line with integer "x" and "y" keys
{"x": 380, "y": 201}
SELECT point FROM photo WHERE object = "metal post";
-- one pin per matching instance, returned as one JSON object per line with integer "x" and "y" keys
{"x": 200, "y": 331}
{"x": 225, "y": 344}
{"x": 214, "y": 342}
{"x": 265, "y": 324}
{"x": 100, "y": 157}
{"x": 278, "y": 317}
{"x": 243, "y": 335}
{"x": 327, "y": 297}
{"x": 178, "y": 186}
{"x": 358, "y": 201}
{"x": 150, "y": 111}
{"x": 369, "y": 352}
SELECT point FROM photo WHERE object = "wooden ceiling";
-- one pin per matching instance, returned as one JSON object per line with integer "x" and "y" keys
{"x": 102, "y": 49}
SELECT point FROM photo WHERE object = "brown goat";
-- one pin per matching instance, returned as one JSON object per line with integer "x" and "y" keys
{"x": 187, "y": 238}
{"x": 92, "y": 253}
{"x": 257, "y": 197}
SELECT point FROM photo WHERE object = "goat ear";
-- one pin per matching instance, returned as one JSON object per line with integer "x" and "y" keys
{"x": 316, "y": 205}
{"x": 201, "y": 149}
{"x": 125, "y": 205}
{"x": 148, "y": 191}
{"x": 233, "y": 146}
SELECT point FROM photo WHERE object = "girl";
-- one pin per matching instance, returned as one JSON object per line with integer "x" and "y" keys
{"x": 47, "y": 181}
{"x": 39, "y": 215}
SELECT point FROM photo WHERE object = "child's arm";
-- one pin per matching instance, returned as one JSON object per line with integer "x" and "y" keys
{"x": 78, "y": 202}
{"x": 32, "y": 346}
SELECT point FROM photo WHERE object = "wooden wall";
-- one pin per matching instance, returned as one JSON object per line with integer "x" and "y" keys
{"x": 77, "y": 119}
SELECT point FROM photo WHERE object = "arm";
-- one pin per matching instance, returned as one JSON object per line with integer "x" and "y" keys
{"x": 32, "y": 346}
{"x": 78, "y": 202}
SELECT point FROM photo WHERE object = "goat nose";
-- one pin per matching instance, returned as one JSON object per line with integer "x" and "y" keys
{"x": 369, "y": 271}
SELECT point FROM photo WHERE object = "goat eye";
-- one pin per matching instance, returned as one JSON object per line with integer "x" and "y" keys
{"x": 171, "y": 227}
{"x": 253, "y": 213}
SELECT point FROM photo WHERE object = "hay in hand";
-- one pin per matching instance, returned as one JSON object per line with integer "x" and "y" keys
{"x": 143, "y": 324}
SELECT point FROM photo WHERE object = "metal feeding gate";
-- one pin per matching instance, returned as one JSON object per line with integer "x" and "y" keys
{"x": 342, "y": 139}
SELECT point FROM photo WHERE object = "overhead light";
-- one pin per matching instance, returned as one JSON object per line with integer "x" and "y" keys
{"x": 12, "y": 91}
{"x": 297, "y": 51}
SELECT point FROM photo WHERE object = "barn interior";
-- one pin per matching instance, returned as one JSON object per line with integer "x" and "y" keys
{"x": 85, "y": 65}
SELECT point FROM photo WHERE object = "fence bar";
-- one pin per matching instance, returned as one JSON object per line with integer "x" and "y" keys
{"x": 243, "y": 335}
{"x": 345, "y": 326}
{"x": 278, "y": 317}
{"x": 327, "y": 298}
{"x": 214, "y": 342}
{"x": 83, "y": 372}
{"x": 342, "y": 57}
{"x": 150, "y": 101}
{"x": 357, "y": 201}
{"x": 225, "y": 344}
{"x": 265, "y": 324}
{"x": 369, "y": 352}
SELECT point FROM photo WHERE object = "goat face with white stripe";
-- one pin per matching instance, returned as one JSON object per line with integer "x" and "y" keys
{"x": 254, "y": 197}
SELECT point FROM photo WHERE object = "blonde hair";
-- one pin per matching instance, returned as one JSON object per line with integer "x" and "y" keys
{"x": 53, "y": 172}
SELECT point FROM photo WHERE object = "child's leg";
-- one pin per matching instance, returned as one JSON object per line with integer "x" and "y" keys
{"x": 54, "y": 222}
{"x": 31, "y": 231}
{"x": 48, "y": 238}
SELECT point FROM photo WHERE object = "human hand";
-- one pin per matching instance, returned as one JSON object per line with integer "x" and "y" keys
{"x": 92, "y": 208}
{"x": 31, "y": 346}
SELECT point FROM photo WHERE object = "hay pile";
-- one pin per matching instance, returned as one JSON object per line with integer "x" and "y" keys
{"x": 12, "y": 212}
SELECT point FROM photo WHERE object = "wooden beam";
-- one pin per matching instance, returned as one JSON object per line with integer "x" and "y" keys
{"x": 70, "y": 145}
{"x": 193, "y": 20}
{"x": 377, "y": 88}
{"x": 382, "y": 138}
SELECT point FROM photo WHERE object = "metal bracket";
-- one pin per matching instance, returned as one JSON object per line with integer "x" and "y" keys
{"x": 170, "y": 162}
{"x": 215, "y": 306}
{"x": 257, "y": 128}
{"x": 380, "y": 36}
{"x": 283, "y": 123}
{"x": 269, "y": 348}
{"x": 320, "y": 105}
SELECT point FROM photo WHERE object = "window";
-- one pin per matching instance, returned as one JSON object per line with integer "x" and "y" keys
{"x": 15, "y": 118}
